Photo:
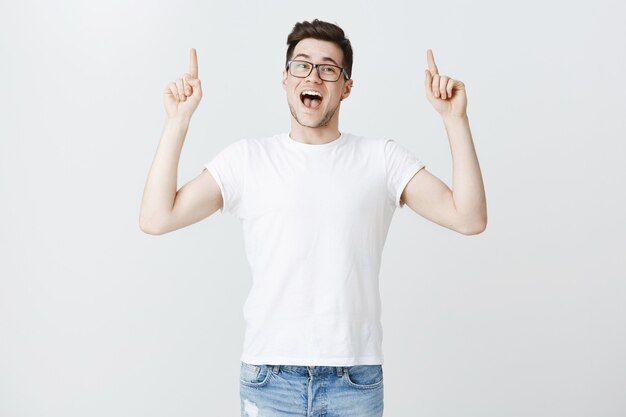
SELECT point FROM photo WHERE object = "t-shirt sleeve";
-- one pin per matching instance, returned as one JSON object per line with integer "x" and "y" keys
{"x": 228, "y": 170}
{"x": 401, "y": 166}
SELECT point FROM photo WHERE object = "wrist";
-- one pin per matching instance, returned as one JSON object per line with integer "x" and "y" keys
{"x": 178, "y": 120}
{"x": 455, "y": 117}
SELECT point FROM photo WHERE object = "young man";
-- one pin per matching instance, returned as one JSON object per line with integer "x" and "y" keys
{"x": 315, "y": 206}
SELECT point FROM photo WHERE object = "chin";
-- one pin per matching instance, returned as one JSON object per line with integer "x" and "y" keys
{"x": 313, "y": 120}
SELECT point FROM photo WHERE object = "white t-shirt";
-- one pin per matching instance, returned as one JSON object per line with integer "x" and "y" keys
{"x": 315, "y": 219}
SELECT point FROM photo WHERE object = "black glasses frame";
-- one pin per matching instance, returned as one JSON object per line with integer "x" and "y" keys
{"x": 316, "y": 67}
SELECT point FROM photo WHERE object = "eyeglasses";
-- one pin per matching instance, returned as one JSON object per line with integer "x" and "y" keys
{"x": 326, "y": 72}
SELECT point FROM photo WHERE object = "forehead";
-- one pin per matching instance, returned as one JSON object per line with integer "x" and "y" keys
{"x": 319, "y": 51}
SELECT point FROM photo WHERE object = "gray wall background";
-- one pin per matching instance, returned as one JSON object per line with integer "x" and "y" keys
{"x": 100, "y": 319}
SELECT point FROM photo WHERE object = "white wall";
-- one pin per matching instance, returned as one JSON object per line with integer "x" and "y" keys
{"x": 99, "y": 319}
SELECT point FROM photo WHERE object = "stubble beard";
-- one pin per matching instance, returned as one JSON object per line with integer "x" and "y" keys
{"x": 323, "y": 123}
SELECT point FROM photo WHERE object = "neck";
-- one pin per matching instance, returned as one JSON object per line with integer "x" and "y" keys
{"x": 314, "y": 135}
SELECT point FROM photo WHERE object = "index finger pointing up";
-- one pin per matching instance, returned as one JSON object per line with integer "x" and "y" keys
{"x": 431, "y": 62}
{"x": 193, "y": 63}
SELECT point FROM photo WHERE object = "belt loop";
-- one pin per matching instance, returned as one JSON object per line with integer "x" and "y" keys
{"x": 276, "y": 368}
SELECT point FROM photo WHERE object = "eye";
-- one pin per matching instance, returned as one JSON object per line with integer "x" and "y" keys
{"x": 330, "y": 69}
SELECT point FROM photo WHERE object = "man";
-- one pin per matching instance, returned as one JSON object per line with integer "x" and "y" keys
{"x": 315, "y": 206}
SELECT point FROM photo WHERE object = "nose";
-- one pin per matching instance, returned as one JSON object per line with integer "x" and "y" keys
{"x": 314, "y": 75}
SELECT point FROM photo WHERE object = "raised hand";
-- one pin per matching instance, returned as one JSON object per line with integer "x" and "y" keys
{"x": 181, "y": 97}
{"x": 445, "y": 94}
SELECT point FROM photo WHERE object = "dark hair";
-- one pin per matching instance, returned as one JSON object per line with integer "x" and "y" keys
{"x": 323, "y": 31}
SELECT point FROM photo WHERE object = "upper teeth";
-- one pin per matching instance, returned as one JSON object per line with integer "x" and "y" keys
{"x": 311, "y": 93}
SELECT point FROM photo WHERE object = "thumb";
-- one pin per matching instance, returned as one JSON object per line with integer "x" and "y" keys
{"x": 428, "y": 82}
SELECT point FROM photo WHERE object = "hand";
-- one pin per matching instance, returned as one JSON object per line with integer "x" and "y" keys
{"x": 445, "y": 94}
{"x": 181, "y": 97}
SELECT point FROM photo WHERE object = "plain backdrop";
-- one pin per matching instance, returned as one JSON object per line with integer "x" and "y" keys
{"x": 527, "y": 319}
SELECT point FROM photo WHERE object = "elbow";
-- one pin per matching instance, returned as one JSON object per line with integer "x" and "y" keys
{"x": 149, "y": 231}
{"x": 150, "y": 227}
{"x": 474, "y": 228}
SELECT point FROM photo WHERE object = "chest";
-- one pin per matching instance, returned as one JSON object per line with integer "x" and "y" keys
{"x": 313, "y": 187}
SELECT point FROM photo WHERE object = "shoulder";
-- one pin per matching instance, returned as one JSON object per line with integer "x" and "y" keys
{"x": 266, "y": 142}
{"x": 362, "y": 141}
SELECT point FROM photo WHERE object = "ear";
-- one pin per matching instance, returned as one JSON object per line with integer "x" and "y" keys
{"x": 347, "y": 88}
{"x": 284, "y": 80}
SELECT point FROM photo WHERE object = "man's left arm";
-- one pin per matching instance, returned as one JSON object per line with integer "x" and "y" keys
{"x": 464, "y": 207}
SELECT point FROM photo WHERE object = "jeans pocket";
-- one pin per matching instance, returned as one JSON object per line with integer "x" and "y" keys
{"x": 364, "y": 376}
{"x": 254, "y": 375}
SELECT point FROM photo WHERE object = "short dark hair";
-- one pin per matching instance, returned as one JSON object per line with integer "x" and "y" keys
{"x": 323, "y": 31}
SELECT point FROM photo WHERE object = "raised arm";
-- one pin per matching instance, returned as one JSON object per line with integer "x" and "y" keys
{"x": 464, "y": 207}
{"x": 163, "y": 209}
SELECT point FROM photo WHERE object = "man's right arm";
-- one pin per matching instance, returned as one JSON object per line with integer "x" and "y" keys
{"x": 163, "y": 209}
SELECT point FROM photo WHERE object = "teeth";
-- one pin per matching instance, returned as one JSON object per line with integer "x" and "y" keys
{"x": 311, "y": 93}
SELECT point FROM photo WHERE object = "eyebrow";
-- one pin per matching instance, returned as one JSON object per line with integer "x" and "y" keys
{"x": 323, "y": 59}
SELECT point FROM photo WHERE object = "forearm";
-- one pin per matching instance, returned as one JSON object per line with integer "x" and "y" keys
{"x": 161, "y": 186}
{"x": 467, "y": 184}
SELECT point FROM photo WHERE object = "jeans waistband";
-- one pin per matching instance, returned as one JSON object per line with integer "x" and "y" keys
{"x": 310, "y": 370}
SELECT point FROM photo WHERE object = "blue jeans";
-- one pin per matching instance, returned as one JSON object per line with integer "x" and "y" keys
{"x": 311, "y": 391}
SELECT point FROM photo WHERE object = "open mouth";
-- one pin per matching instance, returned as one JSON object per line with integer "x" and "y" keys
{"x": 311, "y": 99}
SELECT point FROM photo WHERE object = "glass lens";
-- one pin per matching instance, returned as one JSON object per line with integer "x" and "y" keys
{"x": 329, "y": 72}
{"x": 300, "y": 68}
